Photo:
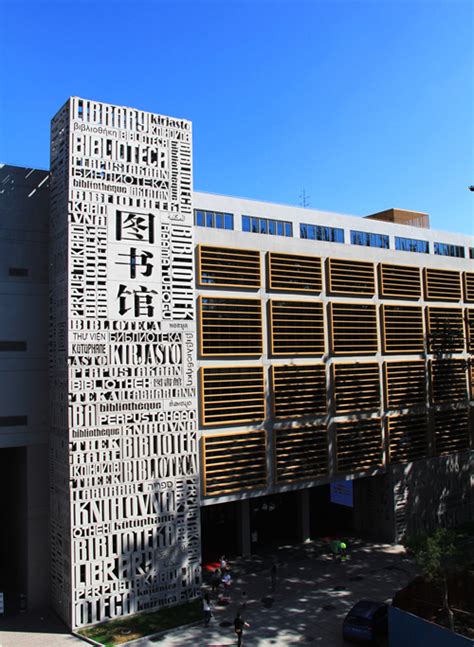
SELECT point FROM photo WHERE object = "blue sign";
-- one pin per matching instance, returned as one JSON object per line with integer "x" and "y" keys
{"x": 342, "y": 493}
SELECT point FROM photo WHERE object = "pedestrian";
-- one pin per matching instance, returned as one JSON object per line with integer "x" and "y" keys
{"x": 243, "y": 600}
{"x": 343, "y": 550}
{"x": 224, "y": 564}
{"x": 239, "y": 625}
{"x": 216, "y": 580}
{"x": 273, "y": 575}
{"x": 207, "y": 609}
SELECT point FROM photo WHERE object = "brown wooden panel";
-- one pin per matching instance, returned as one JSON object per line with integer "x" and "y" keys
{"x": 442, "y": 285}
{"x": 292, "y": 273}
{"x": 359, "y": 445}
{"x": 351, "y": 277}
{"x": 451, "y": 431}
{"x": 232, "y": 395}
{"x": 469, "y": 286}
{"x": 403, "y": 329}
{"x": 230, "y": 326}
{"x": 353, "y": 328}
{"x": 356, "y": 387}
{"x": 405, "y": 384}
{"x": 408, "y": 437}
{"x": 234, "y": 462}
{"x": 400, "y": 281}
{"x": 296, "y": 328}
{"x": 226, "y": 267}
{"x": 449, "y": 380}
{"x": 301, "y": 453}
{"x": 299, "y": 391}
{"x": 445, "y": 330}
{"x": 470, "y": 329}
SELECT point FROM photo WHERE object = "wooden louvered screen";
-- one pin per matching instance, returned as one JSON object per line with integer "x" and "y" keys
{"x": 232, "y": 395}
{"x": 469, "y": 286}
{"x": 354, "y": 329}
{"x": 288, "y": 272}
{"x": 445, "y": 330}
{"x": 351, "y": 277}
{"x": 359, "y": 445}
{"x": 403, "y": 329}
{"x": 451, "y": 431}
{"x": 299, "y": 391}
{"x": 400, "y": 281}
{"x": 230, "y": 326}
{"x": 408, "y": 437}
{"x": 405, "y": 384}
{"x": 234, "y": 462}
{"x": 442, "y": 285}
{"x": 471, "y": 375}
{"x": 301, "y": 453}
{"x": 224, "y": 267}
{"x": 356, "y": 387}
{"x": 470, "y": 330}
{"x": 296, "y": 328}
{"x": 449, "y": 380}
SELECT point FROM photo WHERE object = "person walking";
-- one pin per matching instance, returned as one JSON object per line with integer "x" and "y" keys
{"x": 239, "y": 624}
{"x": 273, "y": 575}
{"x": 207, "y": 609}
{"x": 343, "y": 550}
{"x": 216, "y": 580}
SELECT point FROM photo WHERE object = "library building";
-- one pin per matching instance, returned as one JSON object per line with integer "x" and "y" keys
{"x": 187, "y": 374}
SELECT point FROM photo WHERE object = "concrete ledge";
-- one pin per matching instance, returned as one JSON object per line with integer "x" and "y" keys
{"x": 138, "y": 641}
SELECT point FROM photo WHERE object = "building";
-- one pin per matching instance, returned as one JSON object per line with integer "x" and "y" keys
{"x": 222, "y": 371}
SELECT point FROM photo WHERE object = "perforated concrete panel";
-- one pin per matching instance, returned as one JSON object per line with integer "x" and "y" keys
{"x": 124, "y": 466}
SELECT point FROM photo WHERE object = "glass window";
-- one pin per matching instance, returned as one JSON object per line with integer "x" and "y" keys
{"x": 215, "y": 219}
{"x": 471, "y": 252}
{"x": 200, "y": 218}
{"x": 320, "y": 232}
{"x": 369, "y": 240}
{"x": 444, "y": 249}
{"x": 267, "y": 226}
{"x": 412, "y": 245}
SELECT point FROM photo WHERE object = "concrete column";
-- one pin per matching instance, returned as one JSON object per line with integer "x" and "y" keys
{"x": 303, "y": 516}
{"x": 243, "y": 527}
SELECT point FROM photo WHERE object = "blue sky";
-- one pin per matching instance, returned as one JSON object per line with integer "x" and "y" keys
{"x": 364, "y": 105}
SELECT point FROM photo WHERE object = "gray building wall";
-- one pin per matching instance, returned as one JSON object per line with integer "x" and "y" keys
{"x": 24, "y": 215}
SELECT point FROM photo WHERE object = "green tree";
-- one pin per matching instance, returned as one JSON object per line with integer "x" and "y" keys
{"x": 438, "y": 556}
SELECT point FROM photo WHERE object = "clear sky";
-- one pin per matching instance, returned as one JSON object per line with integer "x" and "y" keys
{"x": 364, "y": 105}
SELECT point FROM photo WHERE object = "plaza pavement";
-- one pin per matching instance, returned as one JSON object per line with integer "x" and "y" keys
{"x": 313, "y": 594}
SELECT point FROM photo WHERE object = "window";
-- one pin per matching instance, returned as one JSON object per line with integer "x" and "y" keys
{"x": 471, "y": 252}
{"x": 265, "y": 226}
{"x": 13, "y": 421}
{"x": 412, "y": 245}
{"x": 369, "y": 240}
{"x": 319, "y": 232}
{"x": 213, "y": 219}
{"x": 443, "y": 249}
{"x": 11, "y": 346}
{"x": 18, "y": 271}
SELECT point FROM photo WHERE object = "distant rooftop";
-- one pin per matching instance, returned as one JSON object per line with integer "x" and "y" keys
{"x": 403, "y": 217}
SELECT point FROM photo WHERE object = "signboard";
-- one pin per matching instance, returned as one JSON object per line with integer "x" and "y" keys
{"x": 342, "y": 493}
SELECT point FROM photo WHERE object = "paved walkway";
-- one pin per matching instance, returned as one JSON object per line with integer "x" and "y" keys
{"x": 312, "y": 596}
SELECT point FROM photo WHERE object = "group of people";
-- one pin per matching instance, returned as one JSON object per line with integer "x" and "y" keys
{"x": 223, "y": 576}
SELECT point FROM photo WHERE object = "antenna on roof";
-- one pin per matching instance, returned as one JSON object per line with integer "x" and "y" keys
{"x": 304, "y": 199}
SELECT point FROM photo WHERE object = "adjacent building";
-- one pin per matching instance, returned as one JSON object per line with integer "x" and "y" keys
{"x": 222, "y": 372}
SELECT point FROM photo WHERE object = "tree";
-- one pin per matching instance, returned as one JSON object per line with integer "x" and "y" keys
{"x": 438, "y": 556}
